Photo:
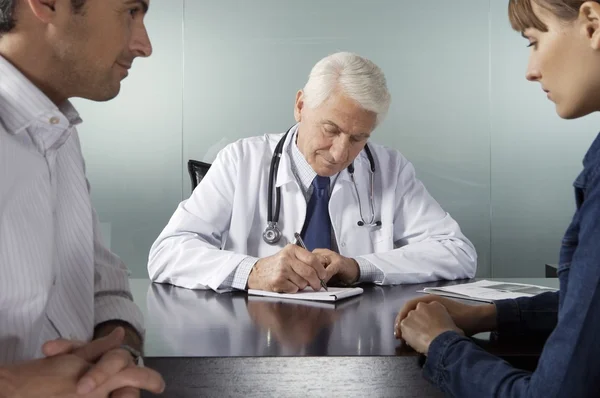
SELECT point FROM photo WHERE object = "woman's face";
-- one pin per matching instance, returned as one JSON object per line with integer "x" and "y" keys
{"x": 565, "y": 60}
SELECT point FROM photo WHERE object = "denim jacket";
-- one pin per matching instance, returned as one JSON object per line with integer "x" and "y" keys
{"x": 570, "y": 362}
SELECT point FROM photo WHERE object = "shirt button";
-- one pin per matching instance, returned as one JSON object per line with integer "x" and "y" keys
{"x": 54, "y": 120}
{"x": 343, "y": 244}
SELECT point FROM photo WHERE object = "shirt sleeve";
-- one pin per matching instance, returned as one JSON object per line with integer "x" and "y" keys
{"x": 238, "y": 278}
{"x": 368, "y": 271}
{"x": 112, "y": 296}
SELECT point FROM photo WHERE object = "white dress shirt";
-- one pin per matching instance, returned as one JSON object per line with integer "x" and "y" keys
{"x": 57, "y": 278}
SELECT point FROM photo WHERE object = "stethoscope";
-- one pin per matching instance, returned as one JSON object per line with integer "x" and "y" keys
{"x": 272, "y": 233}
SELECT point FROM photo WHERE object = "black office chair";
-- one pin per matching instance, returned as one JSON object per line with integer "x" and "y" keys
{"x": 551, "y": 271}
{"x": 197, "y": 170}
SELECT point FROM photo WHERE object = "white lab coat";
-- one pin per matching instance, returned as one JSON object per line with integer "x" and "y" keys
{"x": 222, "y": 222}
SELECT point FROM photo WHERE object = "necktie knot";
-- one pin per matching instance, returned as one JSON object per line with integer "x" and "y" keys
{"x": 321, "y": 182}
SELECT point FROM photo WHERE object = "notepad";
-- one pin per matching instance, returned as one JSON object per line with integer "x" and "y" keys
{"x": 334, "y": 294}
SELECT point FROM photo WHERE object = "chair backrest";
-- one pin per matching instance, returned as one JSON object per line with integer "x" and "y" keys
{"x": 197, "y": 170}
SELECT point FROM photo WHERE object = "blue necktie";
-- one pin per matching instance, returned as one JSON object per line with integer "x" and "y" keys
{"x": 316, "y": 233}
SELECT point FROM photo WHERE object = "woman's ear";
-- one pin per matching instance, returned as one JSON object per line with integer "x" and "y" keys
{"x": 589, "y": 17}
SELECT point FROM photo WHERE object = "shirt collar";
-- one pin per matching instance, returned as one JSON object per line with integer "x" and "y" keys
{"x": 23, "y": 104}
{"x": 303, "y": 171}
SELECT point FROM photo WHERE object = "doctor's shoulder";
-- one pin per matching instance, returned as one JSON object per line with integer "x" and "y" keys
{"x": 245, "y": 152}
{"x": 388, "y": 159}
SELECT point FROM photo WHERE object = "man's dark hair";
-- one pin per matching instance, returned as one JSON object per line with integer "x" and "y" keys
{"x": 7, "y": 10}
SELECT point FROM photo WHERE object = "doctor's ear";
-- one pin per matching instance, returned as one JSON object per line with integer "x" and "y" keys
{"x": 299, "y": 106}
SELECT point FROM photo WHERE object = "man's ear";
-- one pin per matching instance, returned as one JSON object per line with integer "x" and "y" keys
{"x": 589, "y": 17}
{"x": 299, "y": 106}
{"x": 45, "y": 10}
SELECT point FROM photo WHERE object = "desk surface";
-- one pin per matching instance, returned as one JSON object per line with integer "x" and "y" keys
{"x": 216, "y": 345}
{"x": 197, "y": 323}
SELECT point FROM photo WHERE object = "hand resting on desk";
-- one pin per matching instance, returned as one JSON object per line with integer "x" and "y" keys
{"x": 422, "y": 319}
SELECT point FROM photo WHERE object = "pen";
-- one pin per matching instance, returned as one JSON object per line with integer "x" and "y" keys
{"x": 301, "y": 243}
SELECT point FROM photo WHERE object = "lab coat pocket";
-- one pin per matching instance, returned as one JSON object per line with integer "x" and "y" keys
{"x": 383, "y": 238}
{"x": 367, "y": 240}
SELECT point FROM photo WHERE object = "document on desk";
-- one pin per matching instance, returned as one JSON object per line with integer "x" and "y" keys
{"x": 334, "y": 294}
{"x": 488, "y": 291}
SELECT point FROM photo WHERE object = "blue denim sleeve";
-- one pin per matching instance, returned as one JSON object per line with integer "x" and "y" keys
{"x": 570, "y": 362}
{"x": 527, "y": 316}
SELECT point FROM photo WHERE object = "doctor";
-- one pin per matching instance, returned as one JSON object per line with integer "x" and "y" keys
{"x": 359, "y": 208}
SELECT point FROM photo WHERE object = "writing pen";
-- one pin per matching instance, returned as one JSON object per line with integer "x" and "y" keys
{"x": 301, "y": 243}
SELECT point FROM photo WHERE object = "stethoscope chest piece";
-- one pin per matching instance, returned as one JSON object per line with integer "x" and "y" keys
{"x": 272, "y": 233}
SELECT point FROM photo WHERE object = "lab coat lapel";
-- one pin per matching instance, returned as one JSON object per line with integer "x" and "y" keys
{"x": 293, "y": 206}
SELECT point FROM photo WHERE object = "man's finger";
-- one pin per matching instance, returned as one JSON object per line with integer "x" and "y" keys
{"x": 331, "y": 271}
{"x": 291, "y": 276}
{"x": 311, "y": 260}
{"x": 307, "y": 273}
{"x": 53, "y": 348}
{"x": 109, "y": 364}
{"x": 134, "y": 377}
{"x": 285, "y": 287}
{"x": 325, "y": 260}
{"x": 126, "y": 392}
{"x": 96, "y": 348}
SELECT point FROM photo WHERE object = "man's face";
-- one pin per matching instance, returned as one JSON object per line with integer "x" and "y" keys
{"x": 332, "y": 135}
{"x": 94, "y": 48}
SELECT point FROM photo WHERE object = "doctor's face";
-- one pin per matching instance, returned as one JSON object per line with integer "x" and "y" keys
{"x": 332, "y": 135}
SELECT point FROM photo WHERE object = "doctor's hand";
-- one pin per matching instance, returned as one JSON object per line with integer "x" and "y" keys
{"x": 290, "y": 270}
{"x": 472, "y": 319}
{"x": 426, "y": 322}
{"x": 342, "y": 268}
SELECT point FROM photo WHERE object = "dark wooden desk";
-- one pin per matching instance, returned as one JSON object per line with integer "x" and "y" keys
{"x": 208, "y": 344}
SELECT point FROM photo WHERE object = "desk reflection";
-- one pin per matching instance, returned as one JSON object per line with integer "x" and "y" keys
{"x": 200, "y": 323}
{"x": 304, "y": 328}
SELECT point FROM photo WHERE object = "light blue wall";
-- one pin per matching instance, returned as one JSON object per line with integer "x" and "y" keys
{"x": 488, "y": 145}
{"x": 132, "y": 144}
{"x": 535, "y": 158}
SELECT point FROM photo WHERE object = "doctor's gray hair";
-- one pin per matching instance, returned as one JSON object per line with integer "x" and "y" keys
{"x": 355, "y": 76}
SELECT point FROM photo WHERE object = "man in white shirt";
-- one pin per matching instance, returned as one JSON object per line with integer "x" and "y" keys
{"x": 63, "y": 295}
{"x": 358, "y": 206}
